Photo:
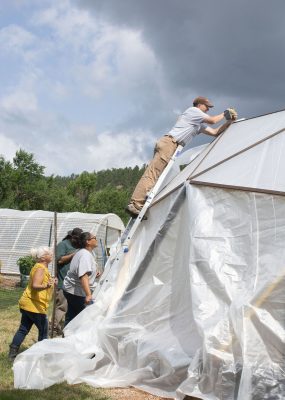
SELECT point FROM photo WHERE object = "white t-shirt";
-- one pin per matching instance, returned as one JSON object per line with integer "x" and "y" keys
{"x": 189, "y": 124}
{"x": 83, "y": 262}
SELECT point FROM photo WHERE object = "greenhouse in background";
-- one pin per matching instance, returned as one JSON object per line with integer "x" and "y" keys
{"x": 22, "y": 230}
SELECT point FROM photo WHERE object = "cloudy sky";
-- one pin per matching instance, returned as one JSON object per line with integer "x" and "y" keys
{"x": 91, "y": 84}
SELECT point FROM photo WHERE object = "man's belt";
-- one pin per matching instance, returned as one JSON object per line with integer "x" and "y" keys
{"x": 171, "y": 138}
{"x": 181, "y": 143}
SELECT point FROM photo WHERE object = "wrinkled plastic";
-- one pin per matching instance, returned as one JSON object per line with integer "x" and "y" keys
{"x": 196, "y": 307}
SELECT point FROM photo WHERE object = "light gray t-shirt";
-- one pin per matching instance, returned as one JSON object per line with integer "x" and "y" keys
{"x": 189, "y": 124}
{"x": 83, "y": 262}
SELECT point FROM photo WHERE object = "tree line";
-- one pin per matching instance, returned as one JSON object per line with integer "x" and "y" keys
{"x": 23, "y": 186}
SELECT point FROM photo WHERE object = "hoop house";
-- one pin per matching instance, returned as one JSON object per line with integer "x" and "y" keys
{"x": 196, "y": 306}
{"x": 22, "y": 230}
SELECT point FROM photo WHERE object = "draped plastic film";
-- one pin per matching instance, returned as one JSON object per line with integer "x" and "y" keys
{"x": 197, "y": 308}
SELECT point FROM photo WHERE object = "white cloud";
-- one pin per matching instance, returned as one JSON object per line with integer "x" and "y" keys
{"x": 68, "y": 24}
{"x": 119, "y": 62}
{"x": 103, "y": 57}
{"x": 15, "y": 38}
{"x": 77, "y": 61}
{"x": 22, "y": 43}
{"x": 8, "y": 146}
{"x": 120, "y": 150}
{"x": 84, "y": 150}
{"x": 19, "y": 102}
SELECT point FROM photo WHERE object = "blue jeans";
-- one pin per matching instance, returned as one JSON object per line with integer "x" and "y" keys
{"x": 75, "y": 304}
{"x": 28, "y": 319}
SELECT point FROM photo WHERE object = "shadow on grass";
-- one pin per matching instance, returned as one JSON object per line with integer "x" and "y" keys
{"x": 60, "y": 391}
{"x": 9, "y": 297}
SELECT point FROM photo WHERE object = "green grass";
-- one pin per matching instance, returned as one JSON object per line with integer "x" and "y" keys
{"x": 10, "y": 318}
{"x": 61, "y": 391}
{"x": 9, "y": 297}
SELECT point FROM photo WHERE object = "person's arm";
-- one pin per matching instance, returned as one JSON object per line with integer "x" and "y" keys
{"x": 217, "y": 131}
{"x": 37, "y": 281}
{"x": 84, "y": 280}
{"x": 215, "y": 119}
{"x": 65, "y": 259}
{"x": 63, "y": 253}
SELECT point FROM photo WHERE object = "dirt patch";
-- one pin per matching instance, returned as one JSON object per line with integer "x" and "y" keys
{"x": 135, "y": 394}
{"x": 131, "y": 394}
{"x": 9, "y": 283}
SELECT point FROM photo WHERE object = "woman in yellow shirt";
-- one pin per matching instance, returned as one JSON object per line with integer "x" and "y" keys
{"x": 35, "y": 300}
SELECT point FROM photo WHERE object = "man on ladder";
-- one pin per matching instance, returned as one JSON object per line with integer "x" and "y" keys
{"x": 189, "y": 124}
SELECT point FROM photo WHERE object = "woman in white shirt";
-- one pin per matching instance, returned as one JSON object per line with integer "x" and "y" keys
{"x": 79, "y": 282}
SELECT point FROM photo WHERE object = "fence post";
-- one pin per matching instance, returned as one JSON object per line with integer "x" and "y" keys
{"x": 55, "y": 270}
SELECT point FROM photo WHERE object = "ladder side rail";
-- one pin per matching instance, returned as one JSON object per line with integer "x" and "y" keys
{"x": 134, "y": 223}
{"x": 110, "y": 264}
{"x": 151, "y": 196}
{"x": 160, "y": 180}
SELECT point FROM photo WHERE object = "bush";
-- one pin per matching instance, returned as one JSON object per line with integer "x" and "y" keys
{"x": 25, "y": 264}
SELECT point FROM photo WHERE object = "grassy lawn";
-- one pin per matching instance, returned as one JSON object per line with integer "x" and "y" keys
{"x": 10, "y": 318}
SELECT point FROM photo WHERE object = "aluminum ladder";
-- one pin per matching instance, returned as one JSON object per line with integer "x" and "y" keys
{"x": 134, "y": 223}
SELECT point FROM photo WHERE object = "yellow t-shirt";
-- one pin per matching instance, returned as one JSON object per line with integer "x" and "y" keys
{"x": 33, "y": 300}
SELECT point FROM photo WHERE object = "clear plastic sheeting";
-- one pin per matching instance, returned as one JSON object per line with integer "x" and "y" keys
{"x": 242, "y": 135}
{"x": 197, "y": 307}
{"x": 260, "y": 167}
{"x": 22, "y": 230}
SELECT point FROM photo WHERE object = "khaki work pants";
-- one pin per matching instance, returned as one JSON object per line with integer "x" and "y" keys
{"x": 60, "y": 309}
{"x": 164, "y": 149}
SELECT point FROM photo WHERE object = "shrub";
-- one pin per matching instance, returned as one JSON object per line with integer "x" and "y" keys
{"x": 25, "y": 264}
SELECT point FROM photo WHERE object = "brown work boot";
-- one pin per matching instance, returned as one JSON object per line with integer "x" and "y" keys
{"x": 132, "y": 210}
{"x": 13, "y": 352}
{"x": 56, "y": 331}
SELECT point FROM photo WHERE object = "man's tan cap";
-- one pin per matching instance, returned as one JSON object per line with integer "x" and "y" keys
{"x": 202, "y": 100}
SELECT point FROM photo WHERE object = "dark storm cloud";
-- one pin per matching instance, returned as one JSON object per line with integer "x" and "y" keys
{"x": 229, "y": 51}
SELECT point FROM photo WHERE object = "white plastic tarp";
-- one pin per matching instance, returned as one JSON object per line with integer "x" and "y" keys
{"x": 261, "y": 167}
{"x": 242, "y": 135}
{"x": 198, "y": 308}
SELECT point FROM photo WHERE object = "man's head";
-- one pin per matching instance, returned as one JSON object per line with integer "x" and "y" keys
{"x": 203, "y": 103}
{"x": 74, "y": 236}
{"x": 75, "y": 232}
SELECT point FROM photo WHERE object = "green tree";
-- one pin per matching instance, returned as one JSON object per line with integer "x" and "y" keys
{"x": 82, "y": 187}
{"x": 6, "y": 190}
{"x": 28, "y": 181}
{"x": 110, "y": 200}
{"x": 23, "y": 186}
